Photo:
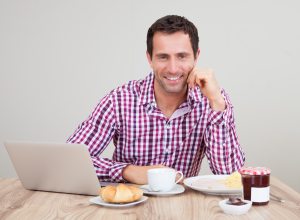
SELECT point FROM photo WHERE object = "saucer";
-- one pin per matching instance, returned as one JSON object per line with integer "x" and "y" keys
{"x": 99, "y": 201}
{"x": 175, "y": 190}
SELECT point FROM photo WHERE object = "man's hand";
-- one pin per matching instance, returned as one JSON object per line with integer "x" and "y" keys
{"x": 209, "y": 87}
{"x": 138, "y": 174}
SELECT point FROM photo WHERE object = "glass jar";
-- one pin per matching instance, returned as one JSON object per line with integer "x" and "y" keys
{"x": 256, "y": 184}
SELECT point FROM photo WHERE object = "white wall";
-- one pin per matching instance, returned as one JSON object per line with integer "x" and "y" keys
{"x": 59, "y": 58}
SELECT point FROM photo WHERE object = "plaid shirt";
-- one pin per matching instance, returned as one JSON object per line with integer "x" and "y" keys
{"x": 143, "y": 136}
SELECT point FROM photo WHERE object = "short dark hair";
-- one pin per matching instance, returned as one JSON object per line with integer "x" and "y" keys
{"x": 171, "y": 24}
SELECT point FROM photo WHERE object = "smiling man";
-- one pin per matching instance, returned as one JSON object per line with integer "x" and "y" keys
{"x": 172, "y": 118}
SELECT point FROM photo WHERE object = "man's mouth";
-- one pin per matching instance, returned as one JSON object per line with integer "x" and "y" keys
{"x": 173, "y": 78}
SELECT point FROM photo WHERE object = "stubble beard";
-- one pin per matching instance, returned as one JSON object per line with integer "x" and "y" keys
{"x": 171, "y": 89}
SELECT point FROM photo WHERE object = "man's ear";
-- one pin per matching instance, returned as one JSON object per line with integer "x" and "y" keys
{"x": 149, "y": 59}
{"x": 197, "y": 55}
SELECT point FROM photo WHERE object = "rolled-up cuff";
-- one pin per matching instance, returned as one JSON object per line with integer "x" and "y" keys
{"x": 115, "y": 172}
{"x": 220, "y": 117}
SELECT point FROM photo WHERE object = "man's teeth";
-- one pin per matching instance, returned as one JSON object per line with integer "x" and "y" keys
{"x": 170, "y": 78}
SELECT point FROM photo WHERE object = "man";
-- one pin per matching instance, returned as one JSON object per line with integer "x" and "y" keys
{"x": 172, "y": 118}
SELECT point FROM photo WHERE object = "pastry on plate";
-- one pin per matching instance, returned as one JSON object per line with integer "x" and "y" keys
{"x": 120, "y": 194}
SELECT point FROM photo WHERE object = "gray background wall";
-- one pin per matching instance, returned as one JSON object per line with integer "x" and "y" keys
{"x": 59, "y": 58}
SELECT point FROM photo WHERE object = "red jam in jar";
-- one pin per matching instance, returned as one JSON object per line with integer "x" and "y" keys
{"x": 256, "y": 184}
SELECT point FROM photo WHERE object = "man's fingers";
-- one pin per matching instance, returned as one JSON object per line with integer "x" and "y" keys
{"x": 196, "y": 77}
{"x": 201, "y": 78}
{"x": 200, "y": 83}
{"x": 178, "y": 176}
{"x": 181, "y": 181}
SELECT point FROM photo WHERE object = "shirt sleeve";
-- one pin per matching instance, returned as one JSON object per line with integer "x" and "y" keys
{"x": 96, "y": 133}
{"x": 223, "y": 151}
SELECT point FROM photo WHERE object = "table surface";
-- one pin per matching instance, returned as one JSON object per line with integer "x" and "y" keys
{"x": 19, "y": 203}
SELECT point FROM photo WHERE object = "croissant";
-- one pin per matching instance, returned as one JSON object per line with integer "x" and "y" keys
{"x": 120, "y": 194}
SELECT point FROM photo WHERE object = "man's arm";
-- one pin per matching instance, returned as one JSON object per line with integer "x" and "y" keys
{"x": 223, "y": 151}
{"x": 96, "y": 132}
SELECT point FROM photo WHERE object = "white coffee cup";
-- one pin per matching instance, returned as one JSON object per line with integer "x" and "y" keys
{"x": 162, "y": 179}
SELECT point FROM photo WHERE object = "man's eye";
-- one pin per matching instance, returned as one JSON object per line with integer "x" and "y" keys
{"x": 182, "y": 56}
{"x": 162, "y": 57}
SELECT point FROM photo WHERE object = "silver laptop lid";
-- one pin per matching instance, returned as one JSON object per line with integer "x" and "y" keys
{"x": 56, "y": 167}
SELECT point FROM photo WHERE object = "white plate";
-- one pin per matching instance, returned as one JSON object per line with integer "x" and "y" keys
{"x": 188, "y": 182}
{"x": 176, "y": 190}
{"x": 99, "y": 201}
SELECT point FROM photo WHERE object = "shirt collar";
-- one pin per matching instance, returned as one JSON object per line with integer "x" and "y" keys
{"x": 147, "y": 92}
{"x": 194, "y": 94}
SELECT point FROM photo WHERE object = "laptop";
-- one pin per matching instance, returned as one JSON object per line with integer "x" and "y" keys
{"x": 54, "y": 167}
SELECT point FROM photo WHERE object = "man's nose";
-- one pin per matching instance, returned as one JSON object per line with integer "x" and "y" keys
{"x": 172, "y": 66}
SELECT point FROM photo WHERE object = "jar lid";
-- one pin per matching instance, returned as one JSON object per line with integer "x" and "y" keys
{"x": 255, "y": 170}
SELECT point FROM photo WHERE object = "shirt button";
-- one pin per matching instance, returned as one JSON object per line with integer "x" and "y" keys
{"x": 224, "y": 144}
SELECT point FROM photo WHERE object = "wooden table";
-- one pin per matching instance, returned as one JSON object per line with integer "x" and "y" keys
{"x": 19, "y": 203}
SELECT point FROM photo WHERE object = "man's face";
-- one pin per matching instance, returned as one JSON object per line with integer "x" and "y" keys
{"x": 172, "y": 61}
